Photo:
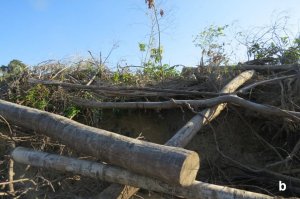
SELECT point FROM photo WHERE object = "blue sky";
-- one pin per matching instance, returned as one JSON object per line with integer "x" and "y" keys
{"x": 39, "y": 30}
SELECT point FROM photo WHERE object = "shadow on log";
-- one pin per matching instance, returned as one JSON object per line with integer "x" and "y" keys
{"x": 114, "y": 174}
{"x": 142, "y": 157}
{"x": 188, "y": 131}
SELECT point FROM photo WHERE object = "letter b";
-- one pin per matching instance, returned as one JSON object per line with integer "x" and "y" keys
{"x": 282, "y": 186}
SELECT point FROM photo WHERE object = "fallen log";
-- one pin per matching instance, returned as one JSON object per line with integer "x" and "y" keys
{"x": 232, "y": 99}
{"x": 123, "y": 90}
{"x": 186, "y": 133}
{"x": 115, "y": 174}
{"x": 190, "y": 129}
{"x": 135, "y": 155}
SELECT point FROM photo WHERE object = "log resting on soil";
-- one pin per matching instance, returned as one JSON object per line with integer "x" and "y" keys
{"x": 115, "y": 174}
{"x": 142, "y": 157}
{"x": 188, "y": 131}
{"x": 184, "y": 135}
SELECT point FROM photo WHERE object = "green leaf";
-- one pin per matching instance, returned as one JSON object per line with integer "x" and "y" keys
{"x": 71, "y": 112}
{"x": 142, "y": 47}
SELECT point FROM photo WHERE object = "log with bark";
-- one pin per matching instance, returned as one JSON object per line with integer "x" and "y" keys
{"x": 188, "y": 131}
{"x": 230, "y": 98}
{"x": 184, "y": 135}
{"x": 115, "y": 174}
{"x": 138, "y": 156}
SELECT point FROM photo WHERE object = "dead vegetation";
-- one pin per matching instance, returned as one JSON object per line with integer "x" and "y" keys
{"x": 252, "y": 145}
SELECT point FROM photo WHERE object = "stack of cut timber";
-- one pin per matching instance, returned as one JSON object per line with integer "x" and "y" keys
{"x": 169, "y": 164}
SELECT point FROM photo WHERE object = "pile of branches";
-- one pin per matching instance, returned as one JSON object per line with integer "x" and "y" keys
{"x": 273, "y": 92}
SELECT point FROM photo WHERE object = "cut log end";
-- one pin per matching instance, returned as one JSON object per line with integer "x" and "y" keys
{"x": 145, "y": 158}
{"x": 189, "y": 169}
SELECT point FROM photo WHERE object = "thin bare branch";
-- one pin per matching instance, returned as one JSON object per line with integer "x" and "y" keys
{"x": 251, "y": 86}
{"x": 160, "y": 92}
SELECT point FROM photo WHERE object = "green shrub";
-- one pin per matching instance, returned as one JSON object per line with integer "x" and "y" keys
{"x": 38, "y": 97}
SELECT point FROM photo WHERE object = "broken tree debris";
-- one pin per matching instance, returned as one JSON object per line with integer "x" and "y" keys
{"x": 266, "y": 68}
{"x": 188, "y": 131}
{"x": 125, "y": 91}
{"x": 184, "y": 135}
{"x": 138, "y": 156}
{"x": 232, "y": 99}
{"x": 274, "y": 85}
{"x": 197, "y": 190}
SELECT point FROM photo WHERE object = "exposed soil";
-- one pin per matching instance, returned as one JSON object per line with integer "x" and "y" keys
{"x": 232, "y": 148}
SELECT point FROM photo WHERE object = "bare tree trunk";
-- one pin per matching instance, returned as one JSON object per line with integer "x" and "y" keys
{"x": 188, "y": 131}
{"x": 115, "y": 174}
{"x": 233, "y": 99}
{"x": 142, "y": 157}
